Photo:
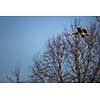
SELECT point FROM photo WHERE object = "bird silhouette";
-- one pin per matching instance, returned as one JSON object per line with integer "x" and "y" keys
{"x": 81, "y": 32}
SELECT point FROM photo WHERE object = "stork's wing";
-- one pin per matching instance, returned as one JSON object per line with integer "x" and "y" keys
{"x": 79, "y": 29}
{"x": 84, "y": 30}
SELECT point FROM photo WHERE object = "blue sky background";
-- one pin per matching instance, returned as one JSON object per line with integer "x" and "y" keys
{"x": 22, "y": 37}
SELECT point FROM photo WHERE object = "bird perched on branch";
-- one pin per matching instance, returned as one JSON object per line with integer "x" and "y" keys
{"x": 81, "y": 32}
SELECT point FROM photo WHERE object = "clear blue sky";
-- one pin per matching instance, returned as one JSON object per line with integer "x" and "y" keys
{"x": 22, "y": 37}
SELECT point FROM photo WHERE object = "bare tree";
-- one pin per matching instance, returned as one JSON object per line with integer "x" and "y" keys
{"x": 41, "y": 71}
{"x": 15, "y": 75}
{"x": 70, "y": 59}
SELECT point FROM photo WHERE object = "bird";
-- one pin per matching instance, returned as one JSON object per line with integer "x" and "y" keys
{"x": 81, "y": 32}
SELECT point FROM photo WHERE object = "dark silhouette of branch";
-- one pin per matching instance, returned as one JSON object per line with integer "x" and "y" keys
{"x": 15, "y": 75}
{"x": 98, "y": 18}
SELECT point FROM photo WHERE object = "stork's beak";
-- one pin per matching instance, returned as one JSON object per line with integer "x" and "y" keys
{"x": 88, "y": 34}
